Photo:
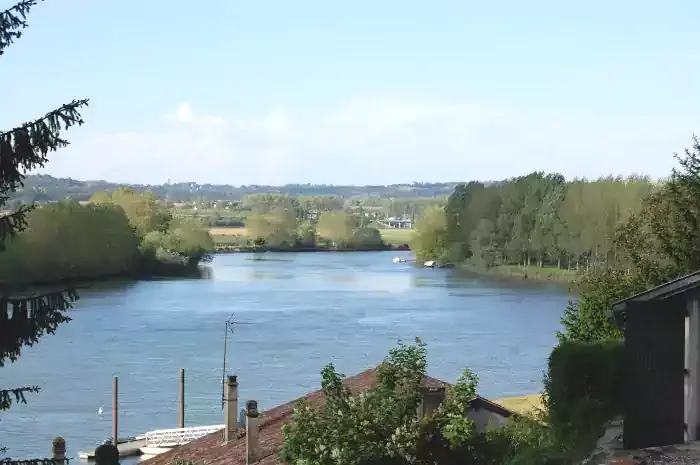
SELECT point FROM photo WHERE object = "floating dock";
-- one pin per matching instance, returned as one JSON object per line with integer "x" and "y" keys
{"x": 158, "y": 441}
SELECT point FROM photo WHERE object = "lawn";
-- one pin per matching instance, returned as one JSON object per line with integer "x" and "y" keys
{"x": 547, "y": 273}
{"x": 227, "y": 232}
{"x": 522, "y": 404}
{"x": 398, "y": 236}
{"x": 224, "y": 236}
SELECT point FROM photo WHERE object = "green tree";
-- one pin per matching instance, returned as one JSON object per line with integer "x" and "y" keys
{"x": 367, "y": 238}
{"x": 23, "y": 149}
{"x": 275, "y": 229}
{"x": 306, "y": 234}
{"x": 586, "y": 319}
{"x": 430, "y": 239}
{"x": 144, "y": 211}
{"x": 380, "y": 426}
{"x": 66, "y": 240}
{"x": 483, "y": 251}
{"x": 265, "y": 203}
{"x": 336, "y": 227}
{"x": 190, "y": 240}
{"x": 656, "y": 243}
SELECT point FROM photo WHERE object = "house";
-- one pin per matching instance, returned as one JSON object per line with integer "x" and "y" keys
{"x": 401, "y": 223}
{"x": 662, "y": 363}
{"x": 260, "y": 440}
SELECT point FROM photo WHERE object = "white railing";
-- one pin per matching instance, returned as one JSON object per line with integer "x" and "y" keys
{"x": 178, "y": 436}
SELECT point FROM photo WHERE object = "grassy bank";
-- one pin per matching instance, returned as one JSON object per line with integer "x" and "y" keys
{"x": 522, "y": 404}
{"x": 527, "y": 273}
{"x": 396, "y": 236}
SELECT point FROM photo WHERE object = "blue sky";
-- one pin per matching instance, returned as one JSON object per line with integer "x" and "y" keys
{"x": 360, "y": 92}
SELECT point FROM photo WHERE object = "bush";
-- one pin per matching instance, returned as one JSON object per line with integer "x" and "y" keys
{"x": 586, "y": 319}
{"x": 582, "y": 386}
{"x": 367, "y": 238}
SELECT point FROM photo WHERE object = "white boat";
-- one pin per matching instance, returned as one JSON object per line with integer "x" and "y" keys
{"x": 430, "y": 264}
{"x": 153, "y": 451}
{"x": 399, "y": 260}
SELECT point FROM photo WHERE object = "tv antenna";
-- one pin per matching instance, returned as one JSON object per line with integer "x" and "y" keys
{"x": 228, "y": 327}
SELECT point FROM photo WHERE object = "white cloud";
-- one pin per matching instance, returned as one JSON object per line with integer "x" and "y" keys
{"x": 183, "y": 114}
{"x": 378, "y": 140}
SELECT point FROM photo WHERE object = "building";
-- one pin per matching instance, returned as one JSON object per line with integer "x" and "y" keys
{"x": 261, "y": 439}
{"x": 661, "y": 363}
{"x": 397, "y": 223}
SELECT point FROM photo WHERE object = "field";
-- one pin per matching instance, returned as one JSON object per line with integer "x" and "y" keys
{"x": 216, "y": 232}
{"x": 390, "y": 235}
{"x": 522, "y": 404}
{"x": 398, "y": 236}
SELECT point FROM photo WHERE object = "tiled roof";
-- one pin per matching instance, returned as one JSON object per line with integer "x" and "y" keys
{"x": 210, "y": 449}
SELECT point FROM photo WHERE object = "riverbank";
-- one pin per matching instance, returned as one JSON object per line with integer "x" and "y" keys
{"x": 148, "y": 269}
{"x": 224, "y": 249}
{"x": 524, "y": 273}
{"x": 528, "y": 404}
{"x": 238, "y": 236}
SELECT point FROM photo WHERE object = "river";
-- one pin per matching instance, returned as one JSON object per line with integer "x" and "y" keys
{"x": 293, "y": 314}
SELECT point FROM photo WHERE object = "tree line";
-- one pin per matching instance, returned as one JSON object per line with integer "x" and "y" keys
{"x": 306, "y": 208}
{"x": 45, "y": 188}
{"x": 280, "y": 228}
{"x": 658, "y": 242}
{"x": 533, "y": 220}
{"x": 118, "y": 234}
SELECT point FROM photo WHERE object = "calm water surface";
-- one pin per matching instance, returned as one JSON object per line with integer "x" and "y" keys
{"x": 294, "y": 314}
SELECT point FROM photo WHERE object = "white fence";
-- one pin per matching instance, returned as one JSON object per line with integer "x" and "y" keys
{"x": 178, "y": 436}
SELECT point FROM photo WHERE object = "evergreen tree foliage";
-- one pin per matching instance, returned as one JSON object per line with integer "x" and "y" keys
{"x": 26, "y": 316}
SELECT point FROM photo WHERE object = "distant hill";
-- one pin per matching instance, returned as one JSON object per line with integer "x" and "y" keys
{"x": 45, "y": 188}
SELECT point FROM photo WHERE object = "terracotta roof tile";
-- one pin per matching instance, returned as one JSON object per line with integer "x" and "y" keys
{"x": 210, "y": 449}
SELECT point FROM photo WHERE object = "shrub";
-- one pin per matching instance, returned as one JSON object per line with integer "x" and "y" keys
{"x": 582, "y": 386}
{"x": 586, "y": 319}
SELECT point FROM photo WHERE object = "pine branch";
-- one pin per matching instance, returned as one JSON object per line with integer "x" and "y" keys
{"x": 13, "y": 223}
{"x": 25, "y": 319}
{"x": 8, "y": 396}
{"x": 12, "y": 21}
{"x": 25, "y": 148}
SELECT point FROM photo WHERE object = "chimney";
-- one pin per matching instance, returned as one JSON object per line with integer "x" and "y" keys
{"x": 231, "y": 406}
{"x": 251, "y": 433}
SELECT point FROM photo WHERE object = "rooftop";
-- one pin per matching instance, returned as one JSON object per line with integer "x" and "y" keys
{"x": 673, "y": 288}
{"x": 211, "y": 450}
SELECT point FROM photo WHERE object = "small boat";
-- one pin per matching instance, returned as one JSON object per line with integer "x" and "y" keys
{"x": 436, "y": 264}
{"x": 152, "y": 451}
{"x": 399, "y": 260}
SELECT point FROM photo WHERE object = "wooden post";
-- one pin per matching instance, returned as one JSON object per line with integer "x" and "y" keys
{"x": 182, "y": 397}
{"x": 115, "y": 410}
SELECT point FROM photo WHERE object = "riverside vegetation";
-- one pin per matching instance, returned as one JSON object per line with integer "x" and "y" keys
{"x": 120, "y": 234}
{"x": 537, "y": 223}
{"x": 282, "y": 230}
